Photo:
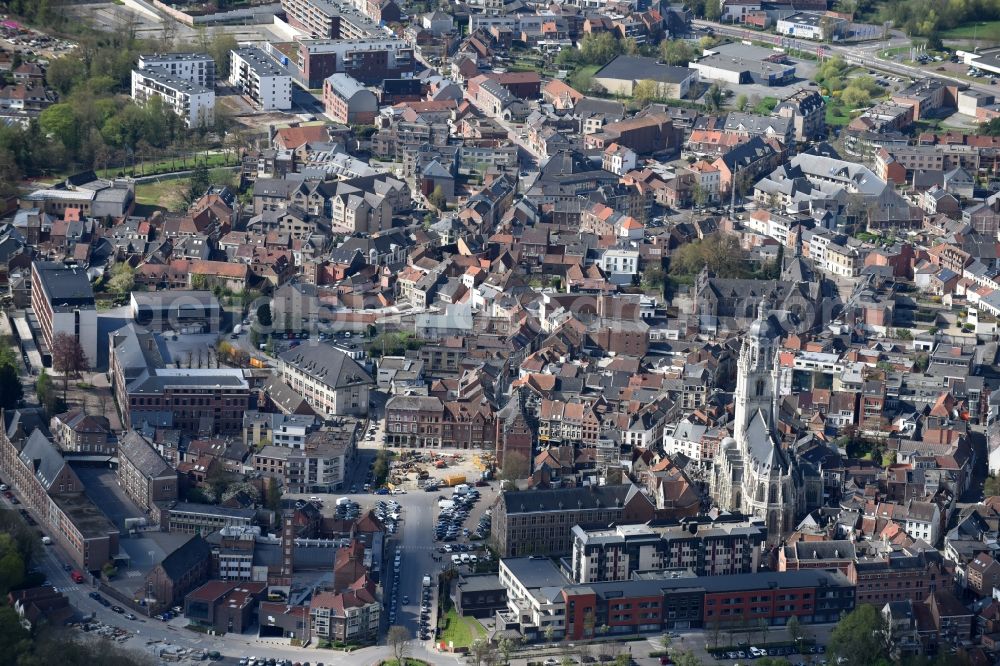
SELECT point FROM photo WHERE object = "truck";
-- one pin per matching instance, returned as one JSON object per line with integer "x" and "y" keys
{"x": 453, "y": 479}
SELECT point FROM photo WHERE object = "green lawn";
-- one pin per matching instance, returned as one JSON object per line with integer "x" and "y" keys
{"x": 167, "y": 194}
{"x": 986, "y": 30}
{"x": 459, "y": 630}
{"x": 168, "y": 166}
{"x": 580, "y": 78}
{"x": 836, "y": 115}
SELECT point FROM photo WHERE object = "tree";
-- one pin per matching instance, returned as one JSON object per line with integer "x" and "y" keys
{"x": 264, "y": 315}
{"x": 686, "y": 658}
{"x": 860, "y": 638}
{"x": 991, "y": 487}
{"x": 741, "y": 102}
{"x": 68, "y": 357}
{"x": 713, "y": 10}
{"x": 515, "y": 467}
{"x": 122, "y": 279}
{"x": 437, "y": 198}
{"x": 273, "y": 500}
{"x": 853, "y": 97}
{"x": 200, "y": 182}
{"x": 11, "y": 390}
{"x": 676, "y": 52}
{"x": 398, "y": 640}
{"x": 59, "y": 122}
{"x": 46, "y": 394}
{"x": 65, "y": 73}
{"x": 646, "y": 91}
{"x": 477, "y": 651}
{"x": 665, "y": 642}
{"x": 721, "y": 253}
{"x": 549, "y": 633}
{"x": 221, "y": 45}
{"x": 794, "y": 629}
{"x": 714, "y": 97}
{"x": 506, "y": 646}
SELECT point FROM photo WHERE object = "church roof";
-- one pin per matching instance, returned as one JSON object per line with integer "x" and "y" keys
{"x": 761, "y": 447}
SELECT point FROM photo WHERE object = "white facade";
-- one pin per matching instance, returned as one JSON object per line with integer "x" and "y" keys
{"x": 192, "y": 67}
{"x": 194, "y": 103}
{"x": 622, "y": 261}
{"x": 261, "y": 79}
{"x": 82, "y": 324}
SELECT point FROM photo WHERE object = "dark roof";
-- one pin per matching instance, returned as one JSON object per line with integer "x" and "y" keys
{"x": 760, "y": 580}
{"x": 186, "y": 558}
{"x": 143, "y": 456}
{"x": 559, "y": 499}
{"x": 638, "y": 68}
{"x": 326, "y": 364}
{"x": 64, "y": 284}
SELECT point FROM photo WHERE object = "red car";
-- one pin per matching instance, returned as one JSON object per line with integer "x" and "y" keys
{"x": 76, "y": 576}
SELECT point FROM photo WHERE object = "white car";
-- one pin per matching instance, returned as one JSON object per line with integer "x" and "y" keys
{"x": 313, "y": 499}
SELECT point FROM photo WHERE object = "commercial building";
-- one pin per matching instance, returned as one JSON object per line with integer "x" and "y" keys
{"x": 196, "y": 68}
{"x": 346, "y": 101}
{"x": 203, "y": 401}
{"x": 738, "y": 63}
{"x": 330, "y": 380}
{"x": 144, "y": 475}
{"x": 729, "y": 545}
{"x": 811, "y": 25}
{"x": 63, "y": 302}
{"x": 369, "y": 60}
{"x": 260, "y": 79}
{"x": 193, "y": 102}
{"x": 178, "y": 310}
{"x": 48, "y": 487}
{"x": 225, "y": 607}
{"x": 193, "y": 518}
{"x": 621, "y": 75}
{"x": 540, "y": 522}
{"x": 98, "y": 198}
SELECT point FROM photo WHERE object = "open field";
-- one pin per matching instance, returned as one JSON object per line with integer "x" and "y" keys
{"x": 167, "y": 194}
{"x": 981, "y": 30}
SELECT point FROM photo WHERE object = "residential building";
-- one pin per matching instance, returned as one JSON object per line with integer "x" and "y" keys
{"x": 807, "y": 109}
{"x": 346, "y": 101}
{"x": 350, "y": 616}
{"x": 369, "y": 60}
{"x": 196, "y": 68}
{"x": 192, "y": 102}
{"x": 62, "y": 300}
{"x": 260, "y": 79}
{"x": 144, "y": 475}
{"x": 76, "y": 431}
{"x": 729, "y": 545}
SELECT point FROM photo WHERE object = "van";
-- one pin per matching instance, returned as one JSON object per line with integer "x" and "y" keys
{"x": 462, "y": 489}
{"x": 465, "y": 558}
{"x": 47, "y": 540}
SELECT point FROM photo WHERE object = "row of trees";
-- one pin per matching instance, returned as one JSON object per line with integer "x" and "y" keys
{"x": 95, "y": 124}
{"x": 11, "y": 391}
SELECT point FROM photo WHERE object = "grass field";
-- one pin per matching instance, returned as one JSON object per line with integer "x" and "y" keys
{"x": 459, "y": 630}
{"x": 836, "y": 115}
{"x": 167, "y": 194}
{"x": 580, "y": 78}
{"x": 982, "y": 30}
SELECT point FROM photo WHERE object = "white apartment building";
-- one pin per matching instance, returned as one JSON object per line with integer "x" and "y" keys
{"x": 684, "y": 437}
{"x": 193, "y": 102}
{"x": 193, "y": 67}
{"x": 260, "y": 78}
{"x": 534, "y": 594}
{"x": 620, "y": 260}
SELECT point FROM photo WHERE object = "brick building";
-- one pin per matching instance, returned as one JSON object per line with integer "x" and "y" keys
{"x": 180, "y": 572}
{"x": 144, "y": 475}
{"x": 540, "y": 522}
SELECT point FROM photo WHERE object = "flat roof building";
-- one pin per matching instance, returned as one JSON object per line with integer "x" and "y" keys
{"x": 62, "y": 299}
{"x": 260, "y": 78}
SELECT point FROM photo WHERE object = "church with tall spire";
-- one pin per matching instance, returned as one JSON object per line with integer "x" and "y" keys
{"x": 754, "y": 475}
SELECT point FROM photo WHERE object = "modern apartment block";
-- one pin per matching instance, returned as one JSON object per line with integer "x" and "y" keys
{"x": 326, "y": 19}
{"x": 203, "y": 401}
{"x": 729, "y": 545}
{"x": 193, "y": 102}
{"x": 192, "y": 67}
{"x": 369, "y": 60}
{"x": 319, "y": 467}
{"x": 540, "y": 522}
{"x": 260, "y": 78}
{"x": 330, "y": 380}
{"x": 63, "y": 302}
